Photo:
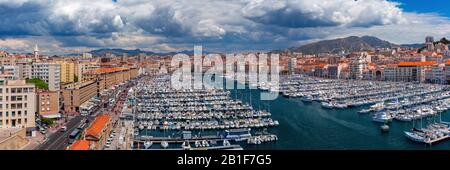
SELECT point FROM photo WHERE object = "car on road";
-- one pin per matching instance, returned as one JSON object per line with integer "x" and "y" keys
{"x": 63, "y": 129}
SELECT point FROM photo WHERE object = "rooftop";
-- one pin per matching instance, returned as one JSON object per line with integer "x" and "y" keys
{"x": 98, "y": 125}
{"x": 108, "y": 70}
{"x": 80, "y": 145}
{"x": 420, "y": 63}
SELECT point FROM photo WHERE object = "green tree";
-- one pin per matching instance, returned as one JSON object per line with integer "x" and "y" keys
{"x": 39, "y": 83}
{"x": 75, "y": 78}
{"x": 48, "y": 121}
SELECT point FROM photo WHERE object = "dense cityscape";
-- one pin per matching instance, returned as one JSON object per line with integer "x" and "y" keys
{"x": 252, "y": 75}
{"x": 114, "y": 102}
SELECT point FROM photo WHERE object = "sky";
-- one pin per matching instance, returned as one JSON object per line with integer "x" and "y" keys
{"x": 75, "y": 26}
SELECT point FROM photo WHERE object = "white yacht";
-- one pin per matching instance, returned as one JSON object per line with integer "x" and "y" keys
{"x": 415, "y": 137}
{"x": 164, "y": 144}
{"x": 148, "y": 144}
{"x": 382, "y": 118}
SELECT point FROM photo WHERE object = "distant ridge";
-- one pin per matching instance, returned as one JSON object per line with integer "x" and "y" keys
{"x": 348, "y": 44}
{"x": 135, "y": 52}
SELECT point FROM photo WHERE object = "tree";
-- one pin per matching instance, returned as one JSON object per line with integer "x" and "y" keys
{"x": 47, "y": 121}
{"x": 75, "y": 78}
{"x": 444, "y": 41}
{"x": 39, "y": 83}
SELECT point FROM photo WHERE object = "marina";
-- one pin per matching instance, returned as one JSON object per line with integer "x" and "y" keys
{"x": 180, "y": 118}
{"x": 203, "y": 119}
{"x": 410, "y": 105}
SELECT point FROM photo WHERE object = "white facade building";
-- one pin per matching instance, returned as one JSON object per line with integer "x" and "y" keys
{"x": 17, "y": 104}
{"x": 49, "y": 72}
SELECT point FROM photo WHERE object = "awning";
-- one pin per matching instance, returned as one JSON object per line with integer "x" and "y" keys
{"x": 52, "y": 116}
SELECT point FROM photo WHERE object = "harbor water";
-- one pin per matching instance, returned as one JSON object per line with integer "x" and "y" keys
{"x": 307, "y": 125}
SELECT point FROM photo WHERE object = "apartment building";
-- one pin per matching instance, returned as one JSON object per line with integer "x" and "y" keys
{"x": 107, "y": 77}
{"x": 17, "y": 105}
{"x": 67, "y": 71}
{"x": 24, "y": 69}
{"x": 48, "y": 103}
{"x": 9, "y": 72}
{"x": 357, "y": 67}
{"x": 85, "y": 67}
{"x": 389, "y": 73}
{"x": 75, "y": 94}
{"x": 413, "y": 71}
{"x": 49, "y": 72}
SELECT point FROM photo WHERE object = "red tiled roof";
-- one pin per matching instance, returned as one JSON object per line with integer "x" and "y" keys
{"x": 80, "y": 145}
{"x": 422, "y": 63}
{"x": 108, "y": 70}
{"x": 98, "y": 125}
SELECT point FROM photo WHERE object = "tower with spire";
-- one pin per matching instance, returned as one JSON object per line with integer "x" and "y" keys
{"x": 36, "y": 52}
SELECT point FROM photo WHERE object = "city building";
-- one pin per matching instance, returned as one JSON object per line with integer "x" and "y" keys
{"x": 9, "y": 72}
{"x": 413, "y": 71}
{"x": 75, "y": 94}
{"x": 389, "y": 73}
{"x": 292, "y": 65}
{"x": 84, "y": 67}
{"x": 13, "y": 138}
{"x": 67, "y": 71}
{"x": 429, "y": 43}
{"x": 49, "y": 72}
{"x": 332, "y": 71}
{"x": 17, "y": 105}
{"x": 357, "y": 67}
{"x": 24, "y": 69}
{"x": 99, "y": 131}
{"x": 86, "y": 55}
{"x": 48, "y": 104}
{"x": 107, "y": 77}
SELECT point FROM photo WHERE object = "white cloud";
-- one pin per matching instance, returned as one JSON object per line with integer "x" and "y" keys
{"x": 313, "y": 13}
{"x": 219, "y": 24}
{"x": 13, "y": 44}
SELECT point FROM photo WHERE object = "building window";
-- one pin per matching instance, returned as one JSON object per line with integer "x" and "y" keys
{"x": 25, "y": 113}
{"x": 13, "y": 113}
{"x": 1, "y": 114}
{"x": 19, "y": 113}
